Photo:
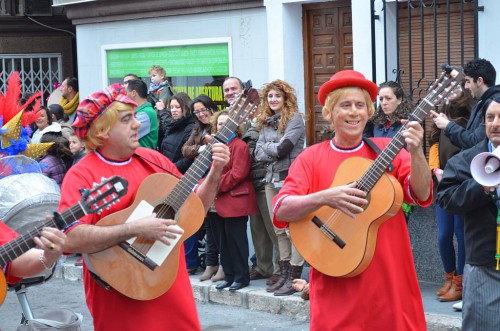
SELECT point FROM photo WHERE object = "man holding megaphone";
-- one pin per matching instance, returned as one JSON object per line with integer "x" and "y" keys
{"x": 470, "y": 186}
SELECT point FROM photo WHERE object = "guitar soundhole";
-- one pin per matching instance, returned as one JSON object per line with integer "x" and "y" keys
{"x": 164, "y": 211}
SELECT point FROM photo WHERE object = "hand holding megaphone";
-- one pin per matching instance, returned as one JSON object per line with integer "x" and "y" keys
{"x": 485, "y": 168}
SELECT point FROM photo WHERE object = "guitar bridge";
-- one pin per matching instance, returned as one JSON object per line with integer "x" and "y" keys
{"x": 138, "y": 255}
{"x": 328, "y": 232}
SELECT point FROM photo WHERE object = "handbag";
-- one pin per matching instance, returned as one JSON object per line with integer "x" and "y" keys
{"x": 57, "y": 319}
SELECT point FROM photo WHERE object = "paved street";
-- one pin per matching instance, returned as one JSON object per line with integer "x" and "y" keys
{"x": 249, "y": 309}
{"x": 69, "y": 294}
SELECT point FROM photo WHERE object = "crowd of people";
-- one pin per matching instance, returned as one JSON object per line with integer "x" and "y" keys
{"x": 264, "y": 175}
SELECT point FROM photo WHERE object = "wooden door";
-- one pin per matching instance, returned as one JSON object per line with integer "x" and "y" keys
{"x": 327, "y": 49}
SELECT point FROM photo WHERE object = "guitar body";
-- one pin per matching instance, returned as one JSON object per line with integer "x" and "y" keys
{"x": 359, "y": 233}
{"x": 125, "y": 273}
{"x": 3, "y": 287}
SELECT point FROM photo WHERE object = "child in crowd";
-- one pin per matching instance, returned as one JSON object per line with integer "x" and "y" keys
{"x": 159, "y": 90}
{"x": 77, "y": 147}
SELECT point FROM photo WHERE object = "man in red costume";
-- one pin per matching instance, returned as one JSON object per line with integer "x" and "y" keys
{"x": 106, "y": 121}
{"x": 386, "y": 295}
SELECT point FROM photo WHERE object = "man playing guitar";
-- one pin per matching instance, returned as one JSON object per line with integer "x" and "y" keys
{"x": 106, "y": 120}
{"x": 386, "y": 295}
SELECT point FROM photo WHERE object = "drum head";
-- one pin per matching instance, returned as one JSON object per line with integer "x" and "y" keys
{"x": 27, "y": 198}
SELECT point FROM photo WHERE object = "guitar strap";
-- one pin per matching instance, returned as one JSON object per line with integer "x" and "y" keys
{"x": 157, "y": 165}
{"x": 377, "y": 150}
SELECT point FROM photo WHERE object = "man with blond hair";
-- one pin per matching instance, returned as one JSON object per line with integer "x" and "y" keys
{"x": 106, "y": 120}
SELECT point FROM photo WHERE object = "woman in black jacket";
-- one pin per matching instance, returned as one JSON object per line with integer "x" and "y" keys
{"x": 176, "y": 132}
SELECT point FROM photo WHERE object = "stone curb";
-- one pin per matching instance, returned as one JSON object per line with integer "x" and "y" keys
{"x": 255, "y": 297}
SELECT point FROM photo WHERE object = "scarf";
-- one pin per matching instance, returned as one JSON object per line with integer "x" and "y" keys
{"x": 70, "y": 106}
{"x": 154, "y": 87}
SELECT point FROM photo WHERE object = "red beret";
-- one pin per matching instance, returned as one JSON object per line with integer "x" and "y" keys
{"x": 93, "y": 106}
{"x": 346, "y": 78}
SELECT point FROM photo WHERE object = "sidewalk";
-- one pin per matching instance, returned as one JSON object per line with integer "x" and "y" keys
{"x": 440, "y": 316}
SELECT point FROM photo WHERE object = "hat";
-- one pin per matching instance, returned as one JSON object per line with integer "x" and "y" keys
{"x": 93, "y": 106}
{"x": 346, "y": 78}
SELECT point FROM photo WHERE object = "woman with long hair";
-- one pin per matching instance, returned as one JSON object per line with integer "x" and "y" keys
{"x": 281, "y": 139}
{"x": 393, "y": 106}
{"x": 202, "y": 107}
{"x": 177, "y": 131}
{"x": 457, "y": 109}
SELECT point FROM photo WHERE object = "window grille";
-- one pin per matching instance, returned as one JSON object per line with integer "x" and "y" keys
{"x": 38, "y": 72}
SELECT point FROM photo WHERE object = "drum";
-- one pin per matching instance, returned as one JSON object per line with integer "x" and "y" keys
{"x": 26, "y": 198}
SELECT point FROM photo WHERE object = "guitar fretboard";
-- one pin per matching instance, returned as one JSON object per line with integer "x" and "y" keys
{"x": 441, "y": 89}
{"x": 25, "y": 242}
{"x": 201, "y": 164}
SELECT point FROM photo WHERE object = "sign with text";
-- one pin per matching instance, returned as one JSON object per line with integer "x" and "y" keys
{"x": 191, "y": 60}
{"x": 194, "y": 69}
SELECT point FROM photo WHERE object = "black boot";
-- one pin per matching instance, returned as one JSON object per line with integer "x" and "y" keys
{"x": 284, "y": 268}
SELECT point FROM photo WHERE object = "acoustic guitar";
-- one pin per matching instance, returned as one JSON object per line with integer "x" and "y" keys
{"x": 128, "y": 267}
{"x": 341, "y": 246}
{"x": 101, "y": 196}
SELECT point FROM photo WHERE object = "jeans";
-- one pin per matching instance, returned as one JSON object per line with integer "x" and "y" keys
{"x": 449, "y": 225}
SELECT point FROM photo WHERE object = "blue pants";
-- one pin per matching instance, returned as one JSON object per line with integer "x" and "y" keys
{"x": 191, "y": 251}
{"x": 448, "y": 226}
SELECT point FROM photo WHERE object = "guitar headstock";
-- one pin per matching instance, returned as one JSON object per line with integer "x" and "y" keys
{"x": 244, "y": 105}
{"x": 450, "y": 78}
{"x": 103, "y": 195}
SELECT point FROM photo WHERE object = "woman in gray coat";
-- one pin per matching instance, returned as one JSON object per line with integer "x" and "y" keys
{"x": 281, "y": 139}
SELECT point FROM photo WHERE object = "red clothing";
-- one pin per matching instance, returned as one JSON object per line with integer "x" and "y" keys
{"x": 236, "y": 196}
{"x": 174, "y": 310}
{"x": 6, "y": 235}
{"x": 386, "y": 295}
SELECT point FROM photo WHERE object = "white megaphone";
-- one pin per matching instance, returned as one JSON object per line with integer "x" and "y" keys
{"x": 485, "y": 168}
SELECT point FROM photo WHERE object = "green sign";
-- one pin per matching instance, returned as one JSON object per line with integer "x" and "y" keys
{"x": 187, "y": 61}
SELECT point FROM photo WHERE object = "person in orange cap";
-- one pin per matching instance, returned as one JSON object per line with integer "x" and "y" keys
{"x": 385, "y": 295}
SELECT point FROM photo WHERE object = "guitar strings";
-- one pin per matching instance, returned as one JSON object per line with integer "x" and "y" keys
{"x": 181, "y": 191}
{"x": 369, "y": 176}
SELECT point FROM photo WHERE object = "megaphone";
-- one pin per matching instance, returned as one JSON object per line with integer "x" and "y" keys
{"x": 485, "y": 168}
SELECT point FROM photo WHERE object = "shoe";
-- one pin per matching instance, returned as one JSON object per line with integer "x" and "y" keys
{"x": 192, "y": 271}
{"x": 305, "y": 292}
{"x": 254, "y": 274}
{"x": 209, "y": 272}
{"x": 458, "y": 306}
{"x": 219, "y": 275}
{"x": 455, "y": 292}
{"x": 284, "y": 268}
{"x": 223, "y": 284}
{"x": 448, "y": 276}
{"x": 272, "y": 280}
{"x": 237, "y": 286}
{"x": 79, "y": 262}
{"x": 294, "y": 272}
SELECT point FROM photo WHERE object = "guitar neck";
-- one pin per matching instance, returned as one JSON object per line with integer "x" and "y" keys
{"x": 25, "y": 242}
{"x": 200, "y": 166}
{"x": 380, "y": 165}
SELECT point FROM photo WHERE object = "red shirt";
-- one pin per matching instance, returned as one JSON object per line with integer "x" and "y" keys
{"x": 386, "y": 295}
{"x": 6, "y": 235}
{"x": 174, "y": 310}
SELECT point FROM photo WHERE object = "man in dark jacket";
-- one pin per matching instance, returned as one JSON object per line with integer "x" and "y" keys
{"x": 480, "y": 78}
{"x": 459, "y": 193}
